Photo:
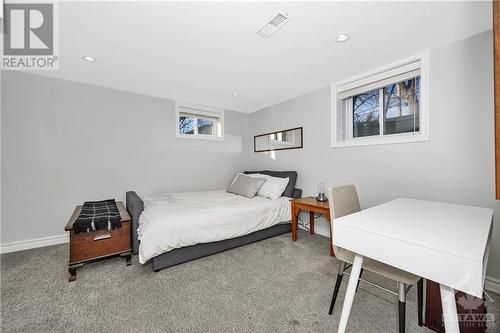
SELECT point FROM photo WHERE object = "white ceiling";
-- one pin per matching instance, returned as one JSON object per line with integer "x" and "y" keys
{"x": 203, "y": 52}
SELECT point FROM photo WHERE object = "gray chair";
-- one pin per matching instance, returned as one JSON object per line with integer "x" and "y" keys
{"x": 343, "y": 201}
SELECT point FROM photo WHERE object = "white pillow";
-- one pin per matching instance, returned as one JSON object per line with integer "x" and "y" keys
{"x": 273, "y": 188}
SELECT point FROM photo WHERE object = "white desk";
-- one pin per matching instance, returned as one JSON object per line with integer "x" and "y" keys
{"x": 442, "y": 242}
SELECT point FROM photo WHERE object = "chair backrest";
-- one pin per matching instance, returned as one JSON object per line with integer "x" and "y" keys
{"x": 343, "y": 200}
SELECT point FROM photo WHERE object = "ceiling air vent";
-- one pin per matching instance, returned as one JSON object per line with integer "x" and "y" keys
{"x": 273, "y": 24}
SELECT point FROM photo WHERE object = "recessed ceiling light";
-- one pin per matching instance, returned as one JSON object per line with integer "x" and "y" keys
{"x": 89, "y": 59}
{"x": 342, "y": 37}
{"x": 235, "y": 94}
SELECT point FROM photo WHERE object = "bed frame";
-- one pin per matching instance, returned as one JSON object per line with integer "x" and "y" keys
{"x": 135, "y": 206}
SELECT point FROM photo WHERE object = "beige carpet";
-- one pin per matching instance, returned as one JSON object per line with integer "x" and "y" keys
{"x": 274, "y": 285}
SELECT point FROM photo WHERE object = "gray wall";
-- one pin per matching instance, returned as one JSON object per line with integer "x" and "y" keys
{"x": 457, "y": 165}
{"x": 65, "y": 142}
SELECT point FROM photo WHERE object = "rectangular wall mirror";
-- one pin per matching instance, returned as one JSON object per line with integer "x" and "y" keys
{"x": 279, "y": 140}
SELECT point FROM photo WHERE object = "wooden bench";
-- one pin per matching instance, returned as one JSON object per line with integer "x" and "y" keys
{"x": 85, "y": 247}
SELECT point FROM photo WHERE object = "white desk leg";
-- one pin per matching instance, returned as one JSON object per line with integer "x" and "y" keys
{"x": 449, "y": 309}
{"x": 351, "y": 291}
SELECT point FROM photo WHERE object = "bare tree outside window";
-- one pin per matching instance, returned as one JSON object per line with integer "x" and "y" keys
{"x": 400, "y": 109}
{"x": 186, "y": 125}
{"x": 366, "y": 109}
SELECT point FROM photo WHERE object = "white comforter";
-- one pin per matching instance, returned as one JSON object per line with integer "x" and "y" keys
{"x": 173, "y": 220}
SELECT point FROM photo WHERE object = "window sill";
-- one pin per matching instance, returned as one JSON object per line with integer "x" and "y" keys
{"x": 392, "y": 139}
{"x": 199, "y": 137}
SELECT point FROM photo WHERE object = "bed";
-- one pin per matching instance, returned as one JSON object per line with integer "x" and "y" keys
{"x": 173, "y": 228}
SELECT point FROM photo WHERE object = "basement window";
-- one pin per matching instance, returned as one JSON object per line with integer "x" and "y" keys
{"x": 388, "y": 105}
{"x": 199, "y": 121}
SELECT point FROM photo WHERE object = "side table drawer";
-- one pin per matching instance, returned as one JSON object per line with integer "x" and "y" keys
{"x": 91, "y": 245}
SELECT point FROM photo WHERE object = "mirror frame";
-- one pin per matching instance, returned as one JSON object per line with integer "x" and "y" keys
{"x": 285, "y": 130}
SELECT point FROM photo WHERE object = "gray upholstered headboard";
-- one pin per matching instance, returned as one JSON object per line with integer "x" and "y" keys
{"x": 290, "y": 190}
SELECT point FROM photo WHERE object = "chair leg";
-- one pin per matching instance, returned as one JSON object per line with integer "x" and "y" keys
{"x": 360, "y": 274}
{"x": 340, "y": 275}
{"x": 420, "y": 296}
{"x": 402, "y": 307}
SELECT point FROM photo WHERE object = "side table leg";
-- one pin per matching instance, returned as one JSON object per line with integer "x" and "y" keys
{"x": 294, "y": 222}
{"x": 311, "y": 223}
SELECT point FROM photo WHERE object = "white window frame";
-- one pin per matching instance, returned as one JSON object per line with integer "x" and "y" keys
{"x": 209, "y": 110}
{"x": 382, "y": 74}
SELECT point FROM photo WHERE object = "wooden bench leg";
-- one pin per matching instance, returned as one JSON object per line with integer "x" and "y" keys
{"x": 128, "y": 258}
{"x": 72, "y": 271}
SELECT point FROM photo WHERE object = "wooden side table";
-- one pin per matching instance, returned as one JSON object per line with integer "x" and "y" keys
{"x": 311, "y": 205}
{"x": 89, "y": 246}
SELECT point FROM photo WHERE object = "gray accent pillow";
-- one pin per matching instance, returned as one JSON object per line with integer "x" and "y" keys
{"x": 246, "y": 186}
{"x": 292, "y": 175}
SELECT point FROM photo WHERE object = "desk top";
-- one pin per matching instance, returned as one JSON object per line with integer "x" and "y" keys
{"x": 424, "y": 223}
{"x": 422, "y": 237}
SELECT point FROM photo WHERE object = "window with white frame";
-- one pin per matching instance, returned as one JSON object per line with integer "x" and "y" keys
{"x": 387, "y": 105}
{"x": 199, "y": 121}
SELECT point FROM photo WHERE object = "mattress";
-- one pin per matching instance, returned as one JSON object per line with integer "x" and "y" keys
{"x": 175, "y": 220}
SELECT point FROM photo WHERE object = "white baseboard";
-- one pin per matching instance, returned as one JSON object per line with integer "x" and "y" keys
{"x": 492, "y": 284}
{"x": 33, "y": 243}
{"x": 321, "y": 230}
